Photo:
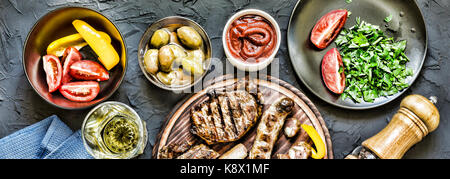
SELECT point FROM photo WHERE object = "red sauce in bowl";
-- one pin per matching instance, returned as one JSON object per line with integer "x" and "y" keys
{"x": 251, "y": 38}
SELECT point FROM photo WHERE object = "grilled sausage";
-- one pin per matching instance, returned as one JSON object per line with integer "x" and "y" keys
{"x": 269, "y": 127}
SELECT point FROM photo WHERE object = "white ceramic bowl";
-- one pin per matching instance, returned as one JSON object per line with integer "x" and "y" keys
{"x": 238, "y": 63}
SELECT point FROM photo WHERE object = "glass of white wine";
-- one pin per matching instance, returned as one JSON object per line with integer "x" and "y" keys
{"x": 113, "y": 130}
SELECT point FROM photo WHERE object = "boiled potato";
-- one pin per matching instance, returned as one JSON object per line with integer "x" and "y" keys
{"x": 166, "y": 58}
{"x": 178, "y": 52}
{"x": 174, "y": 38}
{"x": 198, "y": 55}
{"x": 159, "y": 38}
{"x": 193, "y": 63}
{"x": 151, "y": 62}
{"x": 189, "y": 37}
{"x": 175, "y": 77}
{"x": 166, "y": 78}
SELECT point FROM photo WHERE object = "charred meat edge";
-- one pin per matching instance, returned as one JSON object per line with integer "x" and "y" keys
{"x": 200, "y": 151}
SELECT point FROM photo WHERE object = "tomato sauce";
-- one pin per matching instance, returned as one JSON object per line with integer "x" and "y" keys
{"x": 251, "y": 38}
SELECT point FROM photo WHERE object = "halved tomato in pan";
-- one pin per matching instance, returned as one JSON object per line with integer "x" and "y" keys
{"x": 71, "y": 55}
{"x": 328, "y": 27}
{"x": 53, "y": 71}
{"x": 80, "y": 91}
{"x": 333, "y": 71}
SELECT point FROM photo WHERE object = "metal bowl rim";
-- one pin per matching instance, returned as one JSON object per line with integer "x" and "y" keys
{"x": 167, "y": 87}
{"x": 28, "y": 78}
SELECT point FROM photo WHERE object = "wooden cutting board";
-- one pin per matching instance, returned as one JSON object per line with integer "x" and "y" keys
{"x": 177, "y": 126}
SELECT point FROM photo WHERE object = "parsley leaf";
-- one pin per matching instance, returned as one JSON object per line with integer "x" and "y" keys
{"x": 388, "y": 18}
{"x": 374, "y": 64}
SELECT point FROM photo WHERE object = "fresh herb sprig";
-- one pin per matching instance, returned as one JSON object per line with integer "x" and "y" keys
{"x": 375, "y": 65}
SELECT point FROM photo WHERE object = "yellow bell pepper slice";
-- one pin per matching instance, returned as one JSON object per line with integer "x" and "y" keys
{"x": 106, "y": 52}
{"x": 58, "y": 46}
{"x": 318, "y": 142}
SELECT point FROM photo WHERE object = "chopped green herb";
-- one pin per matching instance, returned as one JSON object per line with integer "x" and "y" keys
{"x": 348, "y": 1}
{"x": 388, "y": 18}
{"x": 374, "y": 64}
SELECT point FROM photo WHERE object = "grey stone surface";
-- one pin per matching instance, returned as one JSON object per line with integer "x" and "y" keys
{"x": 20, "y": 106}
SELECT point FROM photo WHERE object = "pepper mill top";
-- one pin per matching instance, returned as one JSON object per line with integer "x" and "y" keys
{"x": 424, "y": 109}
{"x": 416, "y": 118}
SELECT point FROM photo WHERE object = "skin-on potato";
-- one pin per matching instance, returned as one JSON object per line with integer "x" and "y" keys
{"x": 189, "y": 37}
{"x": 151, "y": 61}
{"x": 159, "y": 38}
{"x": 166, "y": 58}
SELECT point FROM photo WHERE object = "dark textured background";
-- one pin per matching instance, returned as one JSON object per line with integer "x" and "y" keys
{"x": 20, "y": 106}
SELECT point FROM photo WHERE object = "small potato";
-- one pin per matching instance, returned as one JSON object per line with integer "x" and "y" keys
{"x": 174, "y": 38}
{"x": 193, "y": 63}
{"x": 178, "y": 52}
{"x": 291, "y": 127}
{"x": 166, "y": 58}
{"x": 175, "y": 77}
{"x": 151, "y": 62}
{"x": 189, "y": 37}
{"x": 165, "y": 78}
{"x": 159, "y": 38}
{"x": 198, "y": 55}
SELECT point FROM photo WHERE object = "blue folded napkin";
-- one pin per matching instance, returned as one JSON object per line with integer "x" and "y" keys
{"x": 47, "y": 139}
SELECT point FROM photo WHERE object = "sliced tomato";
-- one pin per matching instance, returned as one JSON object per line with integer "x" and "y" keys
{"x": 88, "y": 70}
{"x": 328, "y": 27}
{"x": 80, "y": 91}
{"x": 70, "y": 56}
{"x": 331, "y": 65}
{"x": 53, "y": 71}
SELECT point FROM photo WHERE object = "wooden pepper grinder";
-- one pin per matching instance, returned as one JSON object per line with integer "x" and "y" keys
{"x": 416, "y": 118}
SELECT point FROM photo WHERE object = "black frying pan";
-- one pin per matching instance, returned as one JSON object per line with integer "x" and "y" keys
{"x": 307, "y": 60}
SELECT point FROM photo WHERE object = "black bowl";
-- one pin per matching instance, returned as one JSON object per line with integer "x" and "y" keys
{"x": 307, "y": 59}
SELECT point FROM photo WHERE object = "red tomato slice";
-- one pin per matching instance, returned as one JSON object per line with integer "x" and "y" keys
{"x": 328, "y": 27}
{"x": 88, "y": 70}
{"x": 80, "y": 91}
{"x": 331, "y": 64}
{"x": 70, "y": 56}
{"x": 53, "y": 71}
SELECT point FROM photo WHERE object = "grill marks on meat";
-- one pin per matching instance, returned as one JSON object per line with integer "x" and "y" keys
{"x": 225, "y": 117}
{"x": 228, "y": 122}
{"x": 173, "y": 150}
{"x": 200, "y": 151}
{"x": 236, "y": 112}
{"x": 216, "y": 116}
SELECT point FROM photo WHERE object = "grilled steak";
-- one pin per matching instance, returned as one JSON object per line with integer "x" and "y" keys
{"x": 174, "y": 150}
{"x": 200, "y": 151}
{"x": 225, "y": 117}
{"x": 269, "y": 127}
